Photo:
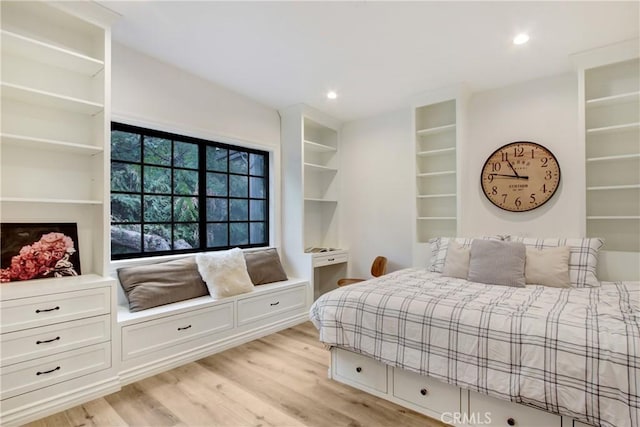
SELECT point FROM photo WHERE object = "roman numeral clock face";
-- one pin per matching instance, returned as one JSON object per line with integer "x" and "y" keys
{"x": 520, "y": 176}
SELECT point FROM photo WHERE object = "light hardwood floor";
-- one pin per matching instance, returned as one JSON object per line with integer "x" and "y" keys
{"x": 279, "y": 380}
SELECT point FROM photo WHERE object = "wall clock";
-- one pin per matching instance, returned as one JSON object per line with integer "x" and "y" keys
{"x": 520, "y": 176}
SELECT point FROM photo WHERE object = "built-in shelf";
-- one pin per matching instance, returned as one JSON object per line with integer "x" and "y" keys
{"x": 439, "y": 152}
{"x": 613, "y": 158}
{"x": 614, "y": 129}
{"x": 441, "y": 173}
{"x": 47, "y": 200}
{"x": 435, "y": 196}
{"x": 319, "y": 168}
{"x": 48, "y": 99}
{"x": 614, "y": 187}
{"x": 437, "y": 218}
{"x": 437, "y": 129}
{"x": 19, "y": 45}
{"x": 321, "y": 148}
{"x": 615, "y": 217}
{"x": 622, "y": 98}
{"x": 311, "y": 199}
{"x": 47, "y": 144}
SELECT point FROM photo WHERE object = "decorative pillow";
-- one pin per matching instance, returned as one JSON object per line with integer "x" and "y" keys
{"x": 439, "y": 246}
{"x": 497, "y": 263}
{"x": 224, "y": 272}
{"x": 457, "y": 262}
{"x": 152, "y": 285}
{"x": 583, "y": 258}
{"x": 547, "y": 267}
{"x": 264, "y": 266}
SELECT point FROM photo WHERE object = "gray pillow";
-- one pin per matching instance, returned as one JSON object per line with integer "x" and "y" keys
{"x": 264, "y": 266}
{"x": 152, "y": 285}
{"x": 497, "y": 263}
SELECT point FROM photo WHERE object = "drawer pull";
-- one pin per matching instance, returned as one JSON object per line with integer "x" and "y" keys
{"x": 331, "y": 259}
{"x": 48, "y": 372}
{"x": 274, "y": 303}
{"x": 424, "y": 391}
{"x": 511, "y": 421}
{"x": 186, "y": 327}
{"x": 46, "y": 341}
{"x": 48, "y": 309}
{"x": 358, "y": 369}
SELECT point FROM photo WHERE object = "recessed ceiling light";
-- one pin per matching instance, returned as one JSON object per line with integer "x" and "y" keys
{"x": 332, "y": 95}
{"x": 521, "y": 38}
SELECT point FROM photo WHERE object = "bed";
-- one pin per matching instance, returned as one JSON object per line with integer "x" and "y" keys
{"x": 568, "y": 351}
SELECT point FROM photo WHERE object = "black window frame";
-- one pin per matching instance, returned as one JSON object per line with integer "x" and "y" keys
{"x": 202, "y": 196}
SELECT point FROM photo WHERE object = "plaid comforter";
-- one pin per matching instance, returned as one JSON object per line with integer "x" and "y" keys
{"x": 573, "y": 352}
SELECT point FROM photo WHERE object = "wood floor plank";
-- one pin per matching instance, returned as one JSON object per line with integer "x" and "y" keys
{"x": 277, "y": 381}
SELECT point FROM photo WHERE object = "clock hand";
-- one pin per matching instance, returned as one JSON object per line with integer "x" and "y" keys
{"x": 509, "y": 176}
{"x": 512, "y": 168}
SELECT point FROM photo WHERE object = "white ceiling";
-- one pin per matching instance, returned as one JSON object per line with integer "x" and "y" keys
{"x": 376, "y": 55}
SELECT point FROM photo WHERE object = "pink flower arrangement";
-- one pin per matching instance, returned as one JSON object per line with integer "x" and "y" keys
{"x": 49, "y": 256}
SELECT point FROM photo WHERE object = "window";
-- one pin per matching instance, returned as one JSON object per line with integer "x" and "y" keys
{"x": 176, "y": 194}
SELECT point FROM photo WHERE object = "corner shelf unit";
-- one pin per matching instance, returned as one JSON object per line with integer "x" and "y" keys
{"x": 612, "y": 152}
{"x": 436, "y": 170}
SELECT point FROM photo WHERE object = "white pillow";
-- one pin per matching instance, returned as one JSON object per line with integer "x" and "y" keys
{"x": 457, "y": 262}
{"x": 224, "y": 272}
{"x": 583, "y": 257}
{"x": 547, "y": 267}
{"x": 439, "y": 246}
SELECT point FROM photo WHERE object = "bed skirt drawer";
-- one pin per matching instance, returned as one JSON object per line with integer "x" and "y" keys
{"x": 147, "y": 337}
{"x": 353, "y": 367}
{"x": 425, "y": 392}
{"x": 270, "y": 305}
{"x": 505, "y": 413}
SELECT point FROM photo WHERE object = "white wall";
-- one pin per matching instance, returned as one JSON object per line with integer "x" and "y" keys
{"x": 378, "y": 185}
{"x": 377, "y": 195}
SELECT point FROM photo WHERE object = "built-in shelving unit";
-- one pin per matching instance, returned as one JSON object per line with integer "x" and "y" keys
{"x": 612, "y": 148}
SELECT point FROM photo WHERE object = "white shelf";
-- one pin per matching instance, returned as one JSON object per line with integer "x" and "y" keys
{"x": 439, "y": 152}
{"x": 435, "y": 130}
{"x": 47, "y": 144}
{"x": 614, "y": 129}
{"x": 614, "y": 187}
{"x": 437, "y": 218}
{"x": 319, "y": 168}
{"x": 441, "y": 173}
{"x": 622, "y": 98}
{"x": 618, "y": 217}
{"x": 321, "y": 148}
{"x": 24, "y": 46}
{"x": 311, "y": 199}
{"x": 613, "y": 158}
{"x": 435, "y": 196}
{"x": 48, "y": 200}
{"x": 48, "y": 99}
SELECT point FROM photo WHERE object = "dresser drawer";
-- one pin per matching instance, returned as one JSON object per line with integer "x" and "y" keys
{"x": 253, "y": 309}
{"x": 505, "y": 413}
{"x": 360, "y": 369}
{"x": 47, "y": 340}
{"x": 28, "y": 376}
{"x": 26, "y": 313}
{"x": 328, "y": 259}
{"x": 148, "y": 337}
{"x": 425, "y": 392}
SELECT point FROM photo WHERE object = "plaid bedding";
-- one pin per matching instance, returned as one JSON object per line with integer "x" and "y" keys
{"x": 573, "y": 352}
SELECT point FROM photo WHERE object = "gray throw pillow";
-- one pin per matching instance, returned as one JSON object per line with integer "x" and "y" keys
{"x": 264, "y": 266}
{"x": 152, "y": 285}
{"x": 497, "y": 263}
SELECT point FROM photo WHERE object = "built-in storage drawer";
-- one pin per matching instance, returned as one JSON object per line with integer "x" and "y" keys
{"x": 43, "y": 310}
{"x": 360, "y": 369}
{"x": 146, "y": 337}
{"x": 28, "y": 376}
{"x": 32, "y": 343}
{"x": 425, "y": 392}
{"x": 503, "y": 413}
{"x": 271, "y": 304}
{"x": 330, "y": 258}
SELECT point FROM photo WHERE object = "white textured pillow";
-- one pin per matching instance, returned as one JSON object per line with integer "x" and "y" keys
{"x": 457, "y": 262}
{"x": 439, "y": 246}
{"x": 224, "y": 272}
{"x": 583, "y": 257}
{"x": 547, "y": 267}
